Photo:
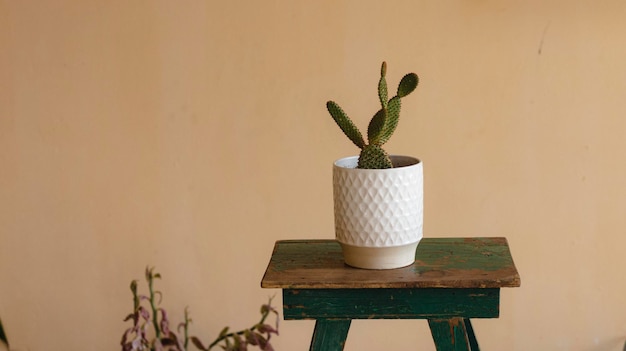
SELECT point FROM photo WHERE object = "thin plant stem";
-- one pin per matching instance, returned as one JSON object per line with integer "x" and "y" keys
{"x": 241, "y": 332}
{"x": 155, "y": 321}
{"x": 186, "y": 327}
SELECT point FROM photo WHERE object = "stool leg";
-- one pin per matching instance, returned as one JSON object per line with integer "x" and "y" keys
{"x": 449, "y": 334}
{"x": 471, "y": 337}
{"x": 330, "y": 334}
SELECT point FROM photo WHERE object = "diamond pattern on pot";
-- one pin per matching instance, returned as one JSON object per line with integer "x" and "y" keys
{"x": 375, "y": 208}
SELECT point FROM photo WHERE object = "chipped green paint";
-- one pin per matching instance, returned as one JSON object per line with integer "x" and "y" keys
{"x": 330, "y": 334}
{"x": 452, "y": 335}
{"x": 390, "y": 303}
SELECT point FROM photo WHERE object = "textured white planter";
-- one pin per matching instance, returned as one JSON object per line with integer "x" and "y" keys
{"x": 379, "y": 212}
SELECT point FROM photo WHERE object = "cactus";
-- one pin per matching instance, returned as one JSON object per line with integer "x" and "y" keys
{"x": 382, "y": 125}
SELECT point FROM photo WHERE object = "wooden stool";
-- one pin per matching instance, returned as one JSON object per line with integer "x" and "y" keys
{"x": 451, "y": 281}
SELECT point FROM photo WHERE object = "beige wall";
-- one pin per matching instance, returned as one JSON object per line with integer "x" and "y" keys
{"x": 191, "y": 135}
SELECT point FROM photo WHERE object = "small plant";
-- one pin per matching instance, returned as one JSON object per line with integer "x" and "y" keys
{"x": 382, "y": 125}
{"x": 3, "y": 336}
{"x": 138, "y": 336}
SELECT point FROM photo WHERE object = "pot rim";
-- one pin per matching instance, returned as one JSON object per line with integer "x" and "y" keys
{"x": 399, "y": 162}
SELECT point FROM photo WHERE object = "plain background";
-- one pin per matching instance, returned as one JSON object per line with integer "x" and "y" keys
{"x": 191, "y": 135}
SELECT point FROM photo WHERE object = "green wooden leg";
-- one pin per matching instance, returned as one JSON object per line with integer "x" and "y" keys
{"x": 330, "y": 334}
{"x": 449, "y": 334}
{"x": 470, "y": 335}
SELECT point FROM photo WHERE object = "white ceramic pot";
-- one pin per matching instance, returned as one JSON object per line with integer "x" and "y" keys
{"x": 379, "y": 212}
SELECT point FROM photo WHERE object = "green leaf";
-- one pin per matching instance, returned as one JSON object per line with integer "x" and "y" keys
{"x": 3, "y": 336}
{"x": 198, "y": 343}
{"x": 133, "y": 287}
{"x": 227, "y": 342}
{"x": 224, "y": 332}
{"x": 237, "y": 342}
{"x": 407, "y": 84}
{"x": 346, "y": 125}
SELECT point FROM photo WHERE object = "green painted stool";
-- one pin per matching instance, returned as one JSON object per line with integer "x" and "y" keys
{"x": 451, "y": 281}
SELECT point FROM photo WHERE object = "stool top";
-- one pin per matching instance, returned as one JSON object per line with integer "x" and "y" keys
{"x": 440, "y": 263}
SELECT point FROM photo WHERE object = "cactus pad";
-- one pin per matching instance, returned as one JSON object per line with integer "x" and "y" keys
{"x": 374, "y": 157}
{"x": 382, "y": 125}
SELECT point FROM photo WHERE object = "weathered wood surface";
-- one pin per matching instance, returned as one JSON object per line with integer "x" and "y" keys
{"x": 330, "y": 334}
{"x": 440, "y": 263}
{"x": 451, "y": 335}
{"x": 417, "y": 303}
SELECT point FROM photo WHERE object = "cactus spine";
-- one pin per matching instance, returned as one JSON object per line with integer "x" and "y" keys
{"x": 382, "y": 125}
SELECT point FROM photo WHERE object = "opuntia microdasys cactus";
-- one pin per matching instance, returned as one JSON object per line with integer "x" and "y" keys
{"x": 382, "y": 125}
